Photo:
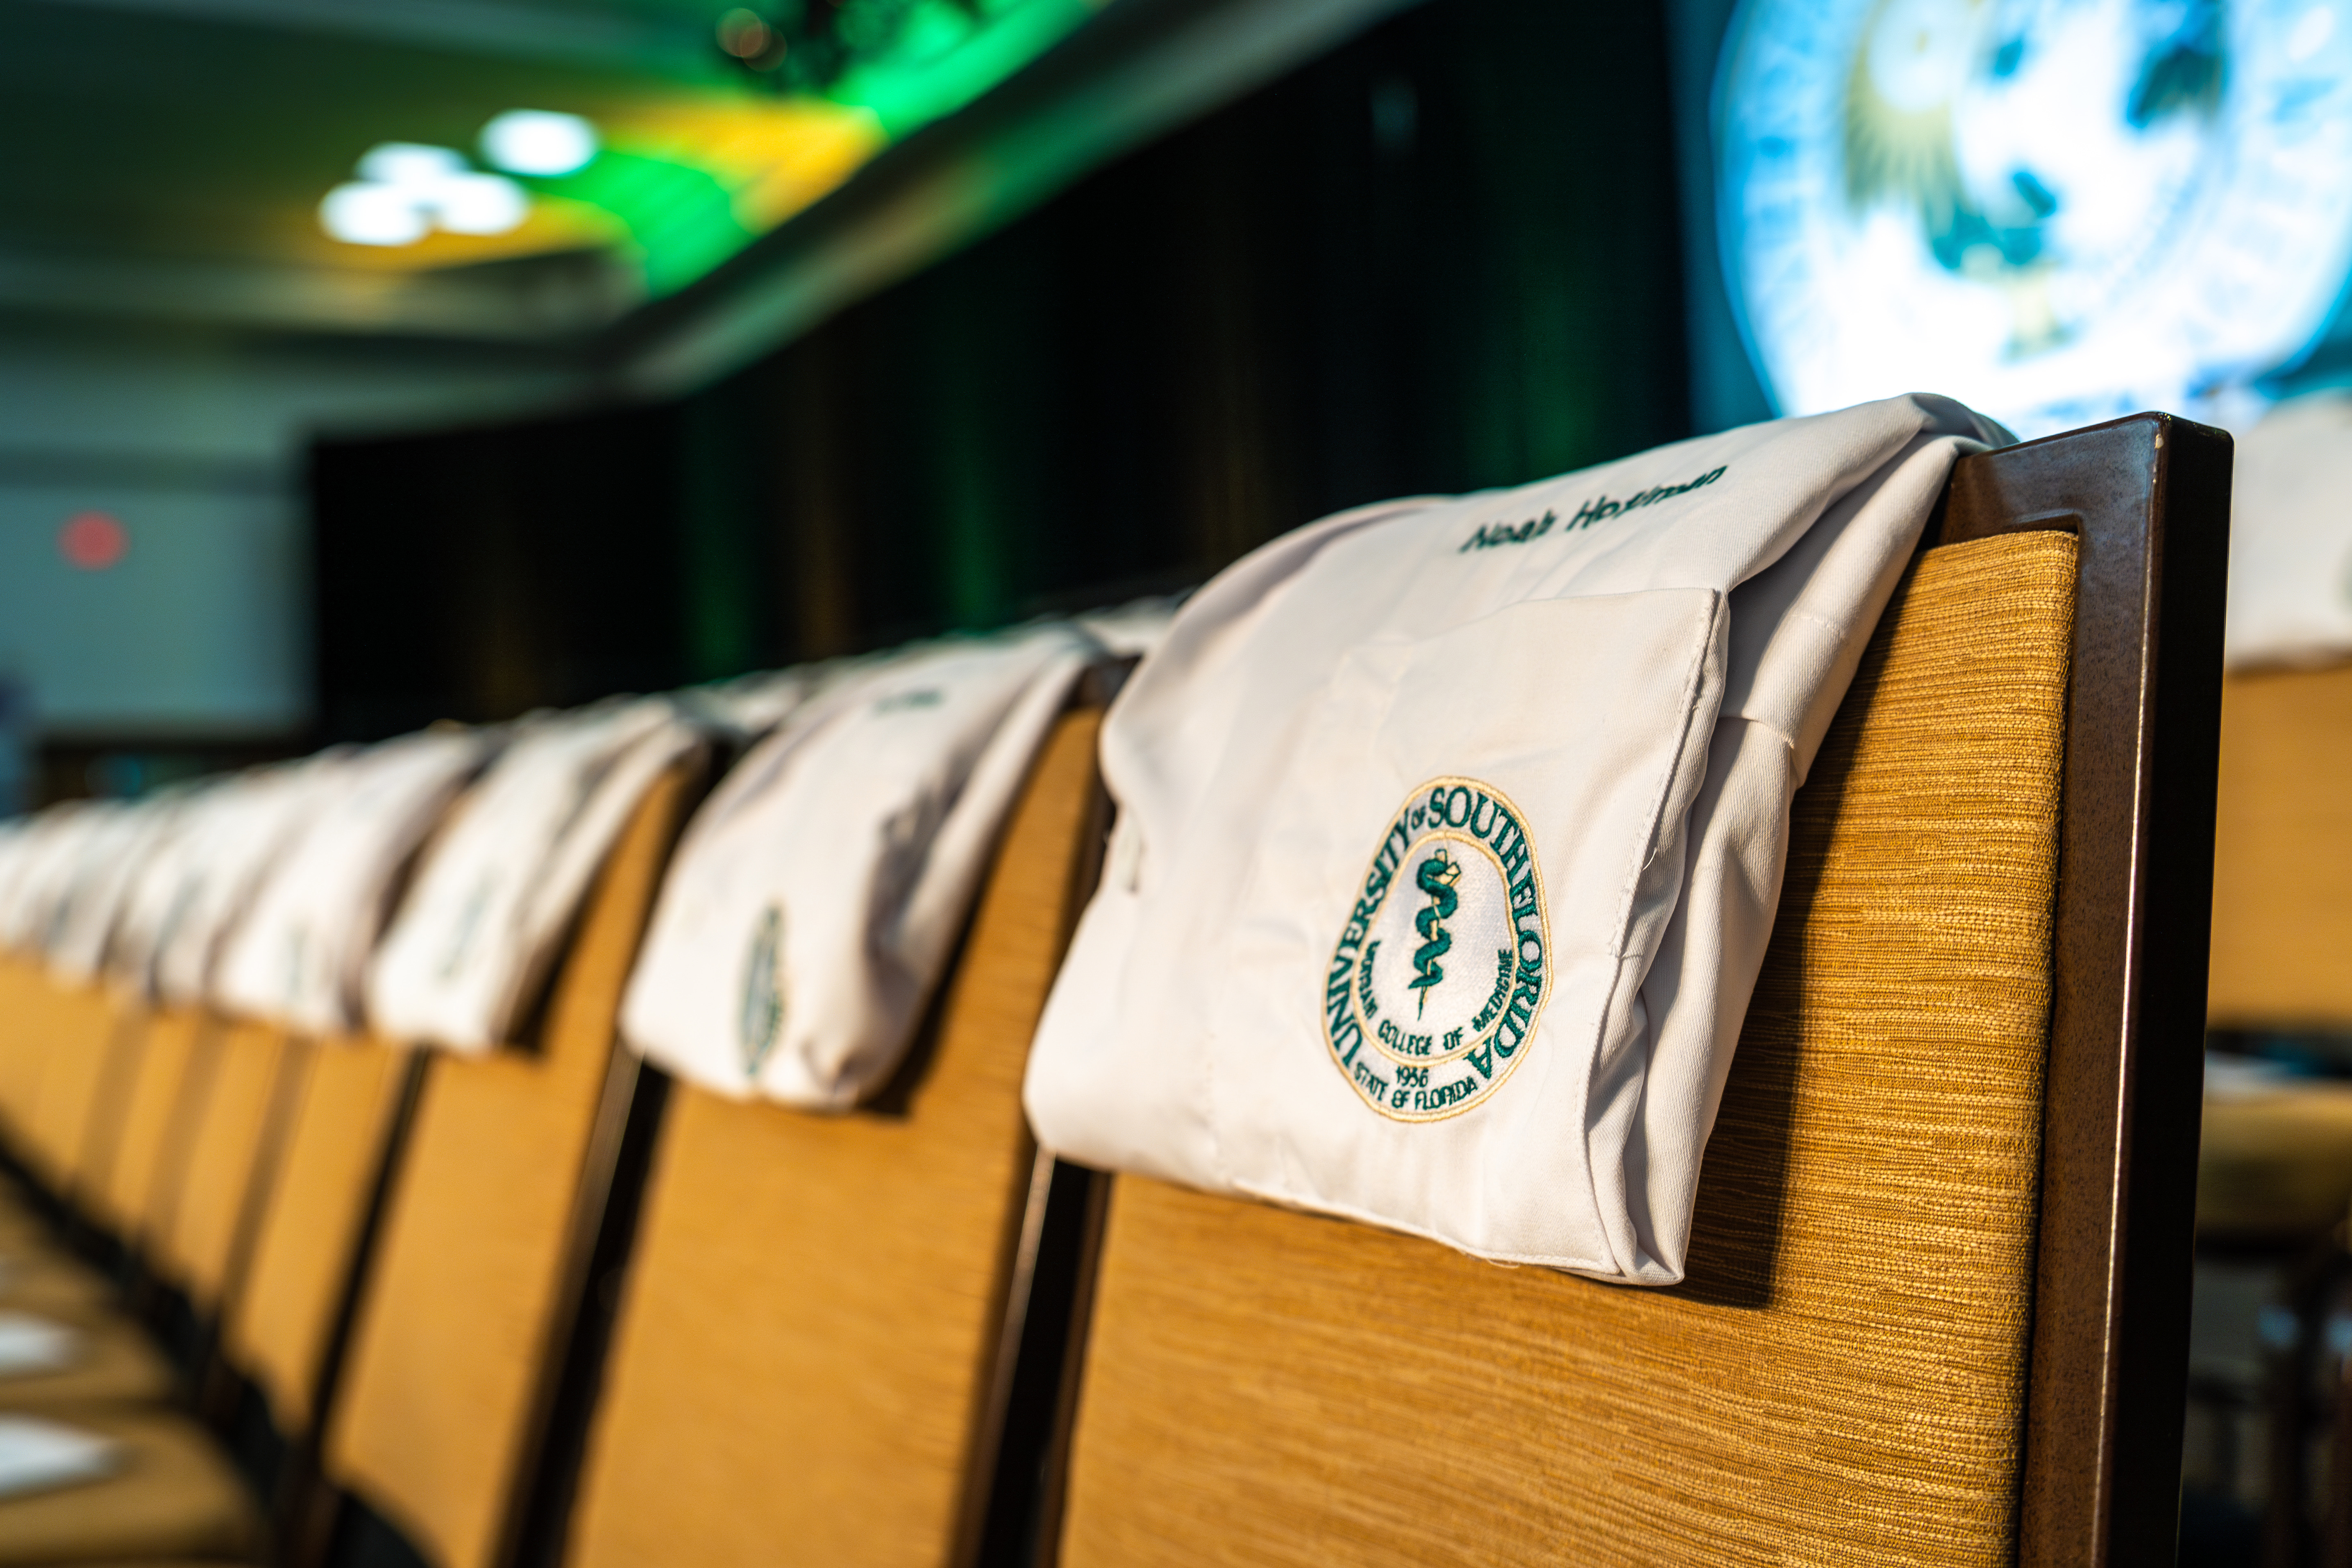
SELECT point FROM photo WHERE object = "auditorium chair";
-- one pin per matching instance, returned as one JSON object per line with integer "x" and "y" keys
{"x": 476, "y": 1287}
{"x": 283, "y": 1327}
{"x": 822, "y": 1313}
{"x": 297, "y": 1146}
{"x": 1937, "y": 1304}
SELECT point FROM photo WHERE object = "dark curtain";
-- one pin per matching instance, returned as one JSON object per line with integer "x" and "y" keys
{"x": 1441, "y": 258}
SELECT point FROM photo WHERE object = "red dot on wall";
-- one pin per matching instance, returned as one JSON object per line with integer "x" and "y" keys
{"x": 93, "y": 540}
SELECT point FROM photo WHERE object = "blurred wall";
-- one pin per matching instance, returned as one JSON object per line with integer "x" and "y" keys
{"x": 1447, "y": 256}
{"x": 195, "y": 642}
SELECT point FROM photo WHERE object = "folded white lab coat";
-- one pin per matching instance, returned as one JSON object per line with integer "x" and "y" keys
{"x": 201, "y": 893}
{"x": 2290, "y": 537}
{"x": 1133, "y": 629}
{"x": 749, "y": 706}
{"x": 161, "y": 884}
{"x": 814, "y": 900}
{"x": 89, "y": 919}
{"x": 1449, "y": 838}
{"x": 499, "y": 887}
{"x": 299, "y": 957}
{"x": 44, "y": 857}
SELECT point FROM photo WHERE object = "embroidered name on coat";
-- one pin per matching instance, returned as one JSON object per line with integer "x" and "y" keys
{"x": 1599, "y": 508}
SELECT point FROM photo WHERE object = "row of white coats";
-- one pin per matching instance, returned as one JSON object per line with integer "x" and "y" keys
{"x": 424, "y": 886}
{"x": 1449, "y": 836}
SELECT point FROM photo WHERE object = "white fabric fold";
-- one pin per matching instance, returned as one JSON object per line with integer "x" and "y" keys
{"x": 159, "y": 884}
{"x": 299, "y": 957}
{"x": 1133, "y": 629}
{"x": 812, "y": 904}
{"x": 1449, "y": 835}
{"x": 749, "y": 706}
{"x": 499, "y": 888}
{"x": 129, "y": 839}
{"x": 47, "y": 859}
{"x": 198, "y": 895}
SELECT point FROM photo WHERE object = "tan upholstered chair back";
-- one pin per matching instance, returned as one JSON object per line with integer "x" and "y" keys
{"x": 21, "y": 985}
{"x": 814, "y": 1306}
{"x": 453, "y": 1333}
{"x": 1842, "y": 1377}
{"x": 83, "y": 1033}
{"x": 308, "y": 1228}
{"x": 2282, "y": 853}
{"x": 138, "y": 1189}
{"x": 238, "y": 1114}
{"x": 51, "y": 1022}
{"x": 97, "y": 1035}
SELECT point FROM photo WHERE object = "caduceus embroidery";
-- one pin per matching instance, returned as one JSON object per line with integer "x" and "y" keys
{"x": 1436, "y": 878}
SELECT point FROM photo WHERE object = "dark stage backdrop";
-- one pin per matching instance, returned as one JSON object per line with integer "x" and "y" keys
{"x": 1442, "y": 259}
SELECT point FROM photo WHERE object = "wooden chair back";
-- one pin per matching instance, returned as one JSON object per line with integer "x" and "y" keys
{"x": 836, "y": 1288}
{"x": 1937, "y": 1309}
{"x": 473, "y": 1296}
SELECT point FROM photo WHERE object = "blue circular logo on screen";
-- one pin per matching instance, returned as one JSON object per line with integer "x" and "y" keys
{"x": 2055, "y": 210}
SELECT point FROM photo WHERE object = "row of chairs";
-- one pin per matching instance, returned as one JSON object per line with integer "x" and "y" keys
{"x": 383, "y": 1271}
{"x": 545, "y": 1306}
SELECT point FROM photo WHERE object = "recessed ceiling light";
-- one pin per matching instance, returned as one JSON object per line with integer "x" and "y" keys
{"x": 410, "y": 163}
{"x": 537, "y": 142}
{"x": 480, "y": 204}
{"x": 363, "y": 213}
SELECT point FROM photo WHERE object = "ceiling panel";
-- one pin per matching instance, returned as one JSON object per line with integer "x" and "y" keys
{"x": 191, "y": 142}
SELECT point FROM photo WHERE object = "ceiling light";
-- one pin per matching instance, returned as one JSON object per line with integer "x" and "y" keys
{"x": 537, "y": 142}
{"x": 479, "y": 204}
{"x": 409, "y": 163}
{"x": 365, "y": 214}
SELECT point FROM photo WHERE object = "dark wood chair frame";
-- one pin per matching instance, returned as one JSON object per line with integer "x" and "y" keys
{"x": 2148, "y": 499}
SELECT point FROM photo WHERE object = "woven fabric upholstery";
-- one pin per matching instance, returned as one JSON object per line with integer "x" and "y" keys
{"x": 2282, "y": 852}
{"x": 138, "y": 1196}
{"x": 228, "y": 1160}
{"x": 31, "y": 1008}
{"x": 89, "y": 1025}
{"x": 92, "y": 1164}
{"x": 279, "y": 1322}
{"x": 1840, "y": 1377}
{"x": 458, "y": 1317}
{"x": 828, "y": 1288}
{"x": 20, "y": 984}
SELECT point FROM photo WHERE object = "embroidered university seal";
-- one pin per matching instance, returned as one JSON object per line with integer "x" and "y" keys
{"x": 1438, "y": 978}
{"x": 763, "y": 992}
